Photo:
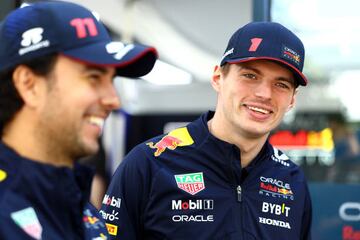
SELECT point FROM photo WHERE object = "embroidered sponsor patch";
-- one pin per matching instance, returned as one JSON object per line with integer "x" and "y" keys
{"x": 276, "y": 209}
{"x": 280, "y": 157}
{"x": 198, "y": 204}
{"x": 290, "y": 55}
{"x": 191, "y": 182}
{"x": 28, "y": 221}
{"x": 112, "y": 229}
{"x": 32, "y": 40}
{"x": 111, "y": 201}
{"x": 178, "y": 137}
{"x": 109, "y": 216}
{"x": 193, "y": 218}
{"x": 275, "y": 188}
{"x": 228, "y": 52}
{"x": 91, "y": 221}
{"x": 274, "y": 222}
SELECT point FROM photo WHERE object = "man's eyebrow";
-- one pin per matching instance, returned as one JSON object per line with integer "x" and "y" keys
{"x": 96, "y": 68}
{"x": 244, "y": 67}
{"x": 290, "y": 80}
{"x": 101, "y": 69}
{"x": 281, "y": 78}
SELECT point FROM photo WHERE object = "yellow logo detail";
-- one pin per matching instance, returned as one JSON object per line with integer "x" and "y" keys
{"x": 3, "y": 175}
{"x": 284, "y": 191}
{"x": 112, "y": 229}
{"x": 183, "y": 135}
{"x": 92, "y": 220}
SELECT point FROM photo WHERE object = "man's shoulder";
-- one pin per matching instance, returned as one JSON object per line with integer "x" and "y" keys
{"x": 281, "y": 159}
{"x": 10, "y": 167}
{"x": 159, "y": 150}
{"x": 284, "y": 165}
{"x": 8, "y": 174}
{"x": 176, "y": 139}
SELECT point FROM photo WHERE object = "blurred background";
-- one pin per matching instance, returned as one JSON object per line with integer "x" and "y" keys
{"x": 321, "y": 134}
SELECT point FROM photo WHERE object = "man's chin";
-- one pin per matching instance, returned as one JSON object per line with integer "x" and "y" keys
{"x": 90, "y": 148}
{"x": 257, "y": 131}
{"x": 93, "y": 149}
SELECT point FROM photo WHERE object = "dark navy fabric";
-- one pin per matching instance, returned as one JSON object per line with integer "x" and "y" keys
{"x": 40, "y": 201}
{"x": 198, "y": 190}
{"x": 267, "y": 40}
{"x": 63, "y": 27}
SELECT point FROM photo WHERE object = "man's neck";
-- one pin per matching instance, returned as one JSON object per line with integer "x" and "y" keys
{"x": 19, "y": 135}
{"x": 249, "y": 147}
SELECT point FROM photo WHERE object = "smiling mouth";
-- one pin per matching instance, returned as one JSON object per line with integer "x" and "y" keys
{"x": 258, "y": 109}
{"x": 97, "y": 121}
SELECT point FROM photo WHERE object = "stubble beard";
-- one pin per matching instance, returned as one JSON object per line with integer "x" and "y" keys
{"x": 61, "y": 138}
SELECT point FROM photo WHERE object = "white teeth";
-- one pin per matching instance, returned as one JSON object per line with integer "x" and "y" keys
{"x": 259, "y": 110}
{"x": 97, "y": 121}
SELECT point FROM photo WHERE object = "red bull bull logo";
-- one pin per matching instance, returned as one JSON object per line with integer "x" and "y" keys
{"x": 91, "y": 220}
{"x": 284, "y": 191}
{"x": 175, "y": 138}
{"x": 167, "y": 142}
{"x": 349, "y": 233}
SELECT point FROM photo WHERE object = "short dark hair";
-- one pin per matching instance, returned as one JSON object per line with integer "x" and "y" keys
{"x": 225, "y": 68}
{"x": 10, "y": 100}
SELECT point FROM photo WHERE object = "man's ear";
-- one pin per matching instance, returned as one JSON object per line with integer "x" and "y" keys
{"x": 27, "y": 84}
{"x": 215, "y": 80}
{"x": 293, "y": 101}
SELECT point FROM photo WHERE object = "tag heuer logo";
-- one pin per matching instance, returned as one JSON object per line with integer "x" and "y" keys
{"x": 191, "y": 182}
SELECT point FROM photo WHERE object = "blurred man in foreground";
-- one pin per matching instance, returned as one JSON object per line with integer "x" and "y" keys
{"x": 57, "y": 64}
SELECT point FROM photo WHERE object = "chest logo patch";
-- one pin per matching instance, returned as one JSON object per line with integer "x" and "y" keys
{"x": 28, "y": 221}
{"x": 191, "y": 183}
{"x": 178, "y": 137}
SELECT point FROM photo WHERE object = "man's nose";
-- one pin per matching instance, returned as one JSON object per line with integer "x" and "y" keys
{"x": 263, "y": 90}
{"x": 110, "y": 98}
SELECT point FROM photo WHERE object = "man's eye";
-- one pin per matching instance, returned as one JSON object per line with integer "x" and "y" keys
{"x": 249, "y": 75}
{"x": 94, "y": 77}
{"x": 283, "y": 85}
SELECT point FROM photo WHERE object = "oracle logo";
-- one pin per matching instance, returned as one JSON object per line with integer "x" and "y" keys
{"x": 350, "y": 211}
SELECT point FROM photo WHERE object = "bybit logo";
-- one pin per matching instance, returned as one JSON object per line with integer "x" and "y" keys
{"x": 275, "y": 209}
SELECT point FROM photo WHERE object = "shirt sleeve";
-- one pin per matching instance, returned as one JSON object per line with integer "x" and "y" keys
{"x": 307, "y": 217}
{"x": 125, "y": 200}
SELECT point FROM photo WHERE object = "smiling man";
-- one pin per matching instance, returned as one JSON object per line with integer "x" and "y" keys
{"x": 57, "y": 65}
{"x": 219, "y": 177}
